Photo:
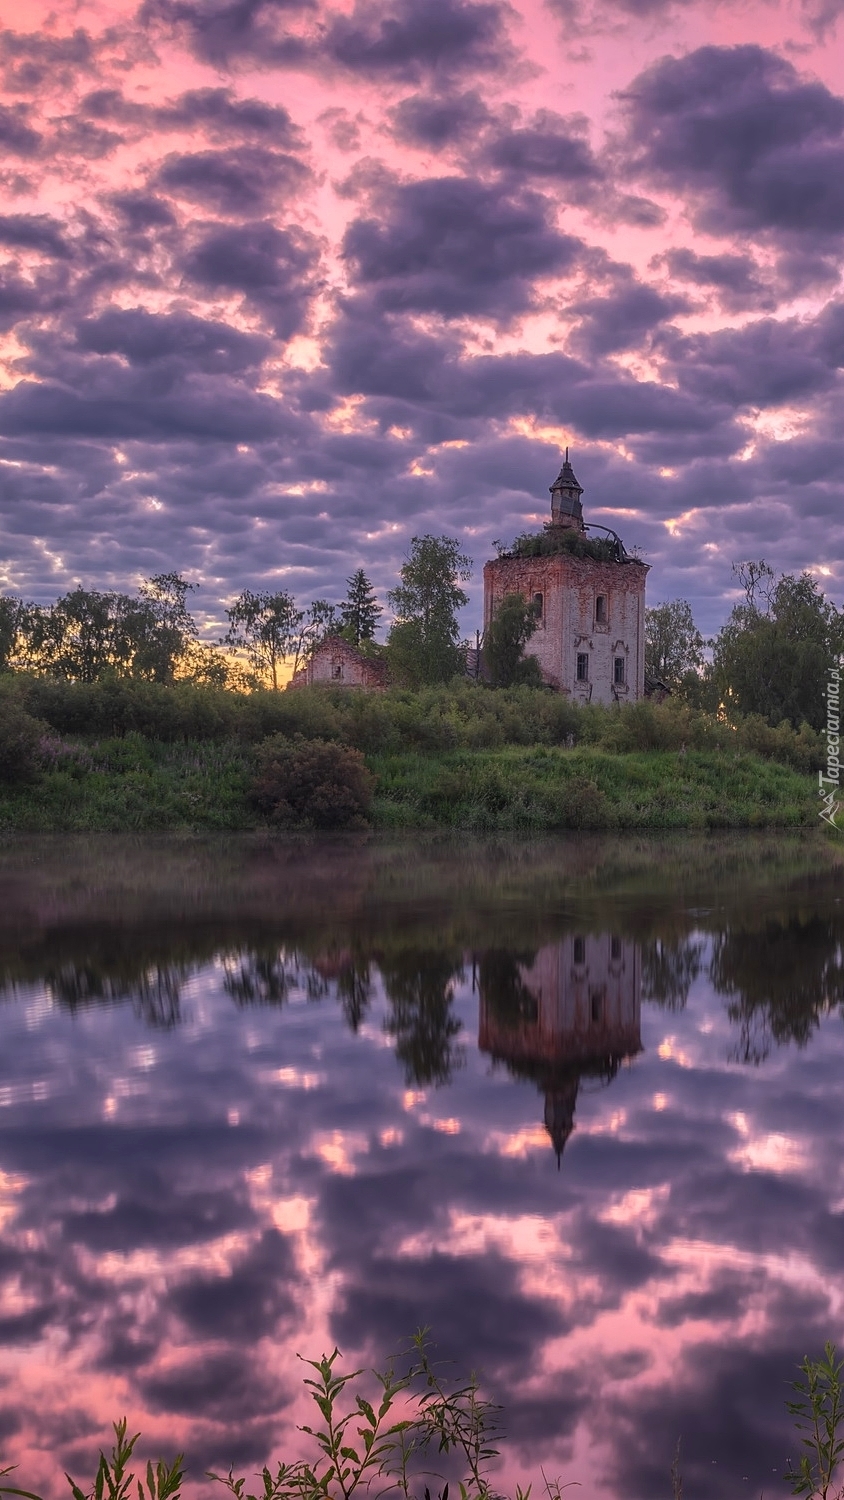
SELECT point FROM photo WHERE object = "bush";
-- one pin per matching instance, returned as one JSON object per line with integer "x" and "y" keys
{"x": 312, "y": 783}
{"x": 20, "y": 738}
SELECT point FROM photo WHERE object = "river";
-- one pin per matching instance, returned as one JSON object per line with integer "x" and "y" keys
{"x": 572, "y": 1104}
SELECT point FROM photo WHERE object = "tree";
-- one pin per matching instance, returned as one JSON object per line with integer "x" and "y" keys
{"x": 510, "y": 629}
{"x": 88, "y": 633}
{"x": 12, "y": 613}
{"x": 266, "y": 627}
{"x": 424, "y": 642}
{"x": 774, "y": 653}
{"x": 360, "y": 610}
{"x": 168, "y": 627}
{"x": 315, "y": 623}
{"x": 673, "y": 643}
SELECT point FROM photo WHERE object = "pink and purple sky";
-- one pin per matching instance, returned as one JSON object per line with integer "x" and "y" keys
{"x": 285, "y": 283}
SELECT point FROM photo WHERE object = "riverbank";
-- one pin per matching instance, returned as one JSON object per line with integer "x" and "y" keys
{"x": 137, "y": 784}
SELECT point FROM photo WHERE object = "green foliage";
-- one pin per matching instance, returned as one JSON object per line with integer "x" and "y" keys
{"x": 89, "y": 634}
{"x": 312, "y": 783}
{"x": 11, "y": 618}
{"x": 360, "y": 610}
{"x": 553, "y": 541}
{"x": 424, "y": 642}
{"x": 819, "y": 1413}
{"x": 673, "y": 643}
{"x": 773, "y": 655}
{"x": 170, "y": 627}
{"x": 112, "y": 1482}
{"x": 131, "y": 783}
{"x": 510, "y": 629}
{"x": 186, "y": 757}
{"x": 20, "y": 737}
{"x": 544, "y": 788}
{"x": 266, "y": 628}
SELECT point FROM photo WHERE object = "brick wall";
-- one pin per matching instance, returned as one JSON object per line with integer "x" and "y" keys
{"x": 570, "y": 626}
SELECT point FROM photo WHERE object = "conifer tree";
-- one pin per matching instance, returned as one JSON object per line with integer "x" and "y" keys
{"x": 360, "y": 609}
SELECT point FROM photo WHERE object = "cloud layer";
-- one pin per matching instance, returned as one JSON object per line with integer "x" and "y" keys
{"x": 282, "y": 285}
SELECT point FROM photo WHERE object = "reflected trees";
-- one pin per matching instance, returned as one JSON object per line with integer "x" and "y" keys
{"x": 781, "y": 979}
{"x": 420, "y": 989}
{"x": 669, "y": 968}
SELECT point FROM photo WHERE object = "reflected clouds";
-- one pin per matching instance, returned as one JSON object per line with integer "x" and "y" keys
{"x": 339, "y": 1134}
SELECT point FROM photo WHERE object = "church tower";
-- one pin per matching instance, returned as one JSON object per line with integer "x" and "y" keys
{"x": 566, "y": 509}
{"x": 588, "y": 594}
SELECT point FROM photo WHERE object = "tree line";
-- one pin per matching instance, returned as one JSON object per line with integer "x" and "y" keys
{"x": 89, "y": 634}
{"x": 770, "y": 658}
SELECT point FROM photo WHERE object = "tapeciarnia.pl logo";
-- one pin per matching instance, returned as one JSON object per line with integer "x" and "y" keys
{"x": 829, "y": 784}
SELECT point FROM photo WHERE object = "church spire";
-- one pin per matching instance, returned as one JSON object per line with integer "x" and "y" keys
{"x": 566, "y": 509}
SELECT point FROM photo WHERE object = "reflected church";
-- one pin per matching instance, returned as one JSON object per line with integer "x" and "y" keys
{"x": 569, "y": 1012}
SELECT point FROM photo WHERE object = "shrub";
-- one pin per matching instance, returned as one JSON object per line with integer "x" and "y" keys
{"x": 312, "y": 783}
{"x": 20, "y": 736}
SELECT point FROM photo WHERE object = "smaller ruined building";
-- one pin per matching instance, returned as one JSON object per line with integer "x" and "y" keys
{"x": 589, "y": 595}
{"x": 337, "y": 661}
{"x": 569, "y": 1015}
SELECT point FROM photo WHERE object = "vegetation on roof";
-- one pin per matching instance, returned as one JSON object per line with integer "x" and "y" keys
{"x": 555, "y": 540}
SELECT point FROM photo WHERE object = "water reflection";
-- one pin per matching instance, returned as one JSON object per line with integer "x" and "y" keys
{"x": 571, "y": 1012}
{"x": 255, "y": 1100}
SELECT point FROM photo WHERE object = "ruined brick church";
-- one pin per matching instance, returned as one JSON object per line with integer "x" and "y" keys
{"x": 589, "y": 597}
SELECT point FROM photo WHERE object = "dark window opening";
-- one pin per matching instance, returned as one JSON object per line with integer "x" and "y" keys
{"x": 601, "y": 610}
{"x": 618, "y": 670}
{"x": 538, "y": 606}
{"x": 597, "y": 1006}
{"x": 337, "y": 670}
{"x": 582, "y": 666}
{"x": 615, "y": 947}
{"x": 579, "y": 950}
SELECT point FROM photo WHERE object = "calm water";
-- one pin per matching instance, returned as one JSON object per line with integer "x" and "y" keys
{"x": 575, "y": 1105}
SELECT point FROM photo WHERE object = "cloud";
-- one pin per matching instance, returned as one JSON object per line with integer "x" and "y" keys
{"x": 30, "y": 61}
{"x": 141, "y": 211}
{"x": 408, "y": 42}
{"x": 623, "y": 319}
{"x": 216, "y": 111}
{"x": 273, "y": 268}
{"x": 34, "y": 232}
{"x": 434, "y": 121}
{"x": 432, "y": 37}
{"x": 769, "y": 362}
{"x": 737, "y": 278}
{"x": 16, "y": 136}
{"x": 143, "y": 337}
{"x": 242, "y": 180}
{"x": 752, "y": 146}
{"x": 455, "y": 246}
{"x": 551, "y": 147}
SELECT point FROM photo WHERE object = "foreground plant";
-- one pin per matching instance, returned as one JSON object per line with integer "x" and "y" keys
{"x": 383, "y": 1446}
{"x": 818, "y": 1412}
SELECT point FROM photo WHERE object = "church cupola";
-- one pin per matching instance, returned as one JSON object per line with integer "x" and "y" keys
{"x": 566, "y": 509}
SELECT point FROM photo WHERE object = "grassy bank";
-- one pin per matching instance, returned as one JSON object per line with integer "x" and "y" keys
{"x": 136, "y": 756}
{"x": 548, "y": 788}
{"x": 133, "y": 783}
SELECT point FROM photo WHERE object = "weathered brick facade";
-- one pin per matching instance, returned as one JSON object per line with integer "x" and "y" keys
{"x": 590, "y": 642}
{"x": 336, "y": 661}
